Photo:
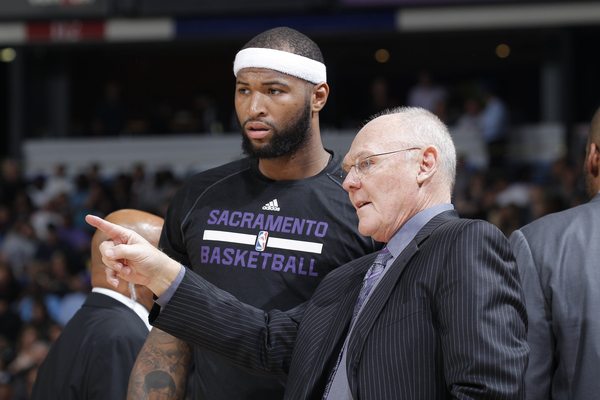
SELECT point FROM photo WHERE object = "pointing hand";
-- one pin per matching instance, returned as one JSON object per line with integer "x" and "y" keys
{"x": 132, "y": 258}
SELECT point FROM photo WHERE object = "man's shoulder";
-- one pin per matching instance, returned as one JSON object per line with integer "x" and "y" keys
{"x": 448, "y": 227}
{"x": 221, "y": 171}
{"x": 103, "y": 313}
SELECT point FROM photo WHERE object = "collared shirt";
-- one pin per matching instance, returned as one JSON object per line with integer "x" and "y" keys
{"x": 139, "y": 309}
{"x": 340, "y": 388}
{"x": 409, "y": 230}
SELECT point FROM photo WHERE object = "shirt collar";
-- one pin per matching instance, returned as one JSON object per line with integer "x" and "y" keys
{"x": 409, "y": 230}
{"x": 139, "y": 309}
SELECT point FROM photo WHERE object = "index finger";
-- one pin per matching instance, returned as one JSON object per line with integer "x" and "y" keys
{"x": 113, "y": 231}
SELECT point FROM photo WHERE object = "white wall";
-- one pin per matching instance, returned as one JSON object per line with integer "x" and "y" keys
{"x": 539, "y": 143}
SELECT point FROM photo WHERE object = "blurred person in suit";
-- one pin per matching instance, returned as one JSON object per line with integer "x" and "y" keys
{"x": 93, "y": 356}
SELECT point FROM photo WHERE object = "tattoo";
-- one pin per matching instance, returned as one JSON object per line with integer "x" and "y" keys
{"x": 162, "y": 365}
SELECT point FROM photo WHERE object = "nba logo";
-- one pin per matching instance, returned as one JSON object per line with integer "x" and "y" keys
{"x": 261, "y": 242}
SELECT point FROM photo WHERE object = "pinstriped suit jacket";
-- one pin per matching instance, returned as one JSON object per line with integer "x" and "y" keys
{"x": 447, "y": 320}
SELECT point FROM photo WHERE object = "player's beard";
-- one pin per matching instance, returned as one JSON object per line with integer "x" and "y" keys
{"x": 284, "y": 141}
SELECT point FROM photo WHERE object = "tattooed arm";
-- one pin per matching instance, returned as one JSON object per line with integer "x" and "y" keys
{"x": 161, "y": 357}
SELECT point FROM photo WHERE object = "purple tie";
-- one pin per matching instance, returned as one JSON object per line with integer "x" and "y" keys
{"x": 371, "y": 277}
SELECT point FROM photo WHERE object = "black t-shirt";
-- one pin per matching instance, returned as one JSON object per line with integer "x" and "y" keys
{"x": 269, "y": 243}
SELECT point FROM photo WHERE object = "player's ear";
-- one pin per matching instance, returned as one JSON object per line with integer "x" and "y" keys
{"x": 319, "y": 96}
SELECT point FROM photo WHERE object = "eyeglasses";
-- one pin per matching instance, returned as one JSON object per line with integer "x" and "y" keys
{"x": 364, "y": 163}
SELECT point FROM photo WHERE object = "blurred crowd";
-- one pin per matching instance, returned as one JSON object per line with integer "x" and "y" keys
{"x": 115, "y": 112}
{"x": 45, "y": 253}
{"x": 201, "y": 114}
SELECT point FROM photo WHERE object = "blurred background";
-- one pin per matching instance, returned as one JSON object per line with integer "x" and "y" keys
{"x": 108, "y": 104}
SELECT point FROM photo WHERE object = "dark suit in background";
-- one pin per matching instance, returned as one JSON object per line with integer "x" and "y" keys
{"x": 559, "y": 262}
{"x": 94, "y": 354}
{"x": 96, "y": 349}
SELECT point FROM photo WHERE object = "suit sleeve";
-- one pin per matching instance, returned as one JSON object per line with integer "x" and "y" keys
{"x": 212, "y": 319}
{"x": 538, "y": 379}
{"x": 483, "y": 322}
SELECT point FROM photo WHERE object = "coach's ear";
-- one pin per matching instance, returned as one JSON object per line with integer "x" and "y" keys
{"x": 429, "y": 160}
{"x": 319, "y": 96}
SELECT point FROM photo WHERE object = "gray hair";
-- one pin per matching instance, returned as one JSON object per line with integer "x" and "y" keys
{"x": 427, "y": 129}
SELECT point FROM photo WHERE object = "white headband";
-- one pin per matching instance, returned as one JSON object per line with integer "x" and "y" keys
{"x": 282, "y": 61}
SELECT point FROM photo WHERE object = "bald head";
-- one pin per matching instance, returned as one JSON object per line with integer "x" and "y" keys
{"x": 417, "y": 127}
{"x": 149, "y": 226}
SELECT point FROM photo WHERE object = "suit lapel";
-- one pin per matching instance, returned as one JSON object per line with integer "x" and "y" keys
{"x": 382, "y": 293}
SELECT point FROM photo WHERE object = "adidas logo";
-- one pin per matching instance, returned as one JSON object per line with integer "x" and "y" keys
{"x": 272, "y": 206}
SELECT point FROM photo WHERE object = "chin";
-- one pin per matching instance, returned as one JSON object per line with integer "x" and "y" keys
{"x": 368, "y": 231}
{"x": 378, "y": 233}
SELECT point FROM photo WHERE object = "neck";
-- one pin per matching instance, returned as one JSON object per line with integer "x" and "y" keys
{"x": 295, "y": 166}
{"x": 433, "y": 198}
